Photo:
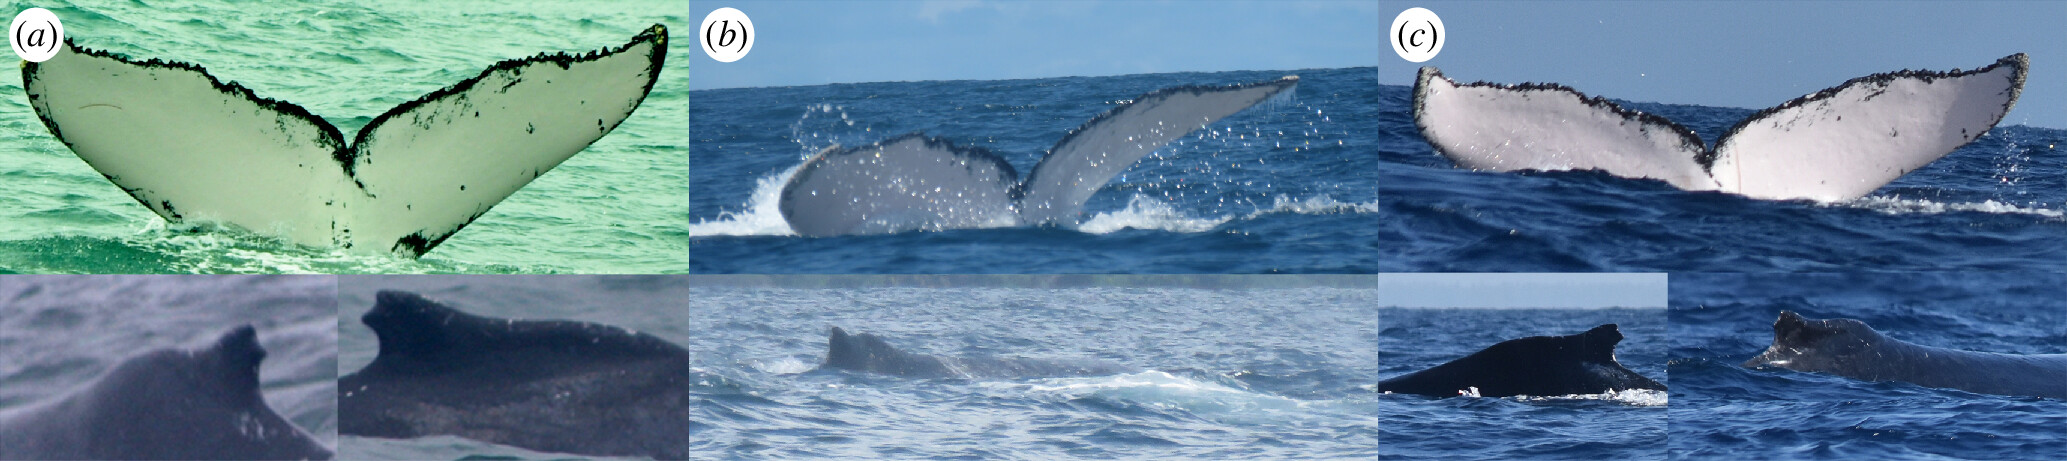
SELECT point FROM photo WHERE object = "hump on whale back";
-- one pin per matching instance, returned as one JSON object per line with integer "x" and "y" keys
{"x": 1793, "y": 329}
{"x": 189, "y": 146}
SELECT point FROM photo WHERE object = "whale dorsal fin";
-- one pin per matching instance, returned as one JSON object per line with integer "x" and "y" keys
{"x": 411, "y": 327}
{"x": 1598, "y": 344}
{"x": 238, "y": 354}
{"x": 1089, "y": 156}
{"x": 1551, "y": 127}
{"x": 189, "y": 146}
{"x": 898, "y": 184}
{"x": 1842, "y": 143}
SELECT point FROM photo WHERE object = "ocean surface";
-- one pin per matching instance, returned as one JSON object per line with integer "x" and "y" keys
{"x": 1625, "y": 425}
{"x": 1721, "y": 410}
{"x": 58, "y": 333}
{"x": 1281, "y": 187}
{"x": 1246, "y": 372}
{"x": 616, "y": 207}
{"x": 647, "y": 304}
{"x": 1999, "y": 203}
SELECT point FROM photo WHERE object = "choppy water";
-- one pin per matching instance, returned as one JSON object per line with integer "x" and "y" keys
{"x": 1251, "y": 372}
{"x": 1630, "y": 425}
{"x": 1995, "y": 204}
{"x": 616, "y": 207}
{"x": 58, "y": 333}
{"x": 1721, "y": 410}
{"x": 1282, "y": 187}
{"x": 647, "y": 304}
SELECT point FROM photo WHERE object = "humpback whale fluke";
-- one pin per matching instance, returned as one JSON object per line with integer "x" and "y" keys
{"x": 919, "y": 182}
{"x": 548, "y": 385}
{"x": 1833, "y": 145}
{"x": 1541, "y": 366}
{"x": 1852, "y": 349}
{"x": 189, "y": 146}
{"x": 201, "y": 403}
{"x": 869, "y": 353}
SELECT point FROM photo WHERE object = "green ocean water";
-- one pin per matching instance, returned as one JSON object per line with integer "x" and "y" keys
{"x": 619, "y": 207}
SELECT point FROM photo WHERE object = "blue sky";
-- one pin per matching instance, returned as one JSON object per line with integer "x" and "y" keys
{"x": 1741, "y": 54}
{"x": 819, "y": 42}
{"x": 1522, "y": 290}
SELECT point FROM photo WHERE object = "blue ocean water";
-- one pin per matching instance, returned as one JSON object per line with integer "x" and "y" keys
{"x": 1629, "y": 425}
{"x": 58, "y": 333}
{"x": 647, "y": 304}
{"x": 1721, "y": 410}
{"x": 1278, "y": 369}
{"x": 1995, "y": 204}
{"x": 617, "y": 207}
{"x": 1282, "y": 187}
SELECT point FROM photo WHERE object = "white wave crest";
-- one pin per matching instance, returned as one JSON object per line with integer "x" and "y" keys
{"x": 1165, "y": 390}
{"x": 763, "y": 213}
{"x": 1635, "y": 397}
{"x": 1147, "y": 213}
{"x": 785, "y": 366}
{"x": 1319, "y": 204}
{"x": 1900, "y": 206}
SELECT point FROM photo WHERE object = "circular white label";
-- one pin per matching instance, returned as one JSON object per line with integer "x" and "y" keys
{"x": 727, "y": 35}
{"x": 36, "y": 35}
{"x": 1417, "y": 35}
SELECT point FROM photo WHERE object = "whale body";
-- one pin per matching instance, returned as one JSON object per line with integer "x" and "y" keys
{"x": 547, "y": 385}
{"x": 1541, "y": 366}
{"x": 190, "y": 147}
{"x": 869, "y": 353}
{"x": 195, "y": 404}
{"x": 916, "y": 181}
{"x": 1852, "y": 349}
{"x": 1833, "y": 145}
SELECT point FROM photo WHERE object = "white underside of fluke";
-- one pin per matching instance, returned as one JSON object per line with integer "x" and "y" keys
{"x": 1833, "y": 145}
{"x": 190, "y": 147}
{"x": 914, "y": 182}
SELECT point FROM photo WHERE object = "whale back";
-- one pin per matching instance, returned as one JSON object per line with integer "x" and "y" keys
{"x": 201, "y": 403}
{"x": 1577, "y": 364}
{"x": 865, "y": 352}
{"x": 1853, "y": 349}
{"x": 1844, "y": 142}
{"x": 560, "y": 386}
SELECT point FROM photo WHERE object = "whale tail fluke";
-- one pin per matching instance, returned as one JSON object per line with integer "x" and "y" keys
{"x": 909, "y": 182}
{"x": 190, "y": 147}
{"x": 917, "y": 182}
{"x": 1089, "y": 156}
{"x": 1833, "y": 145}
